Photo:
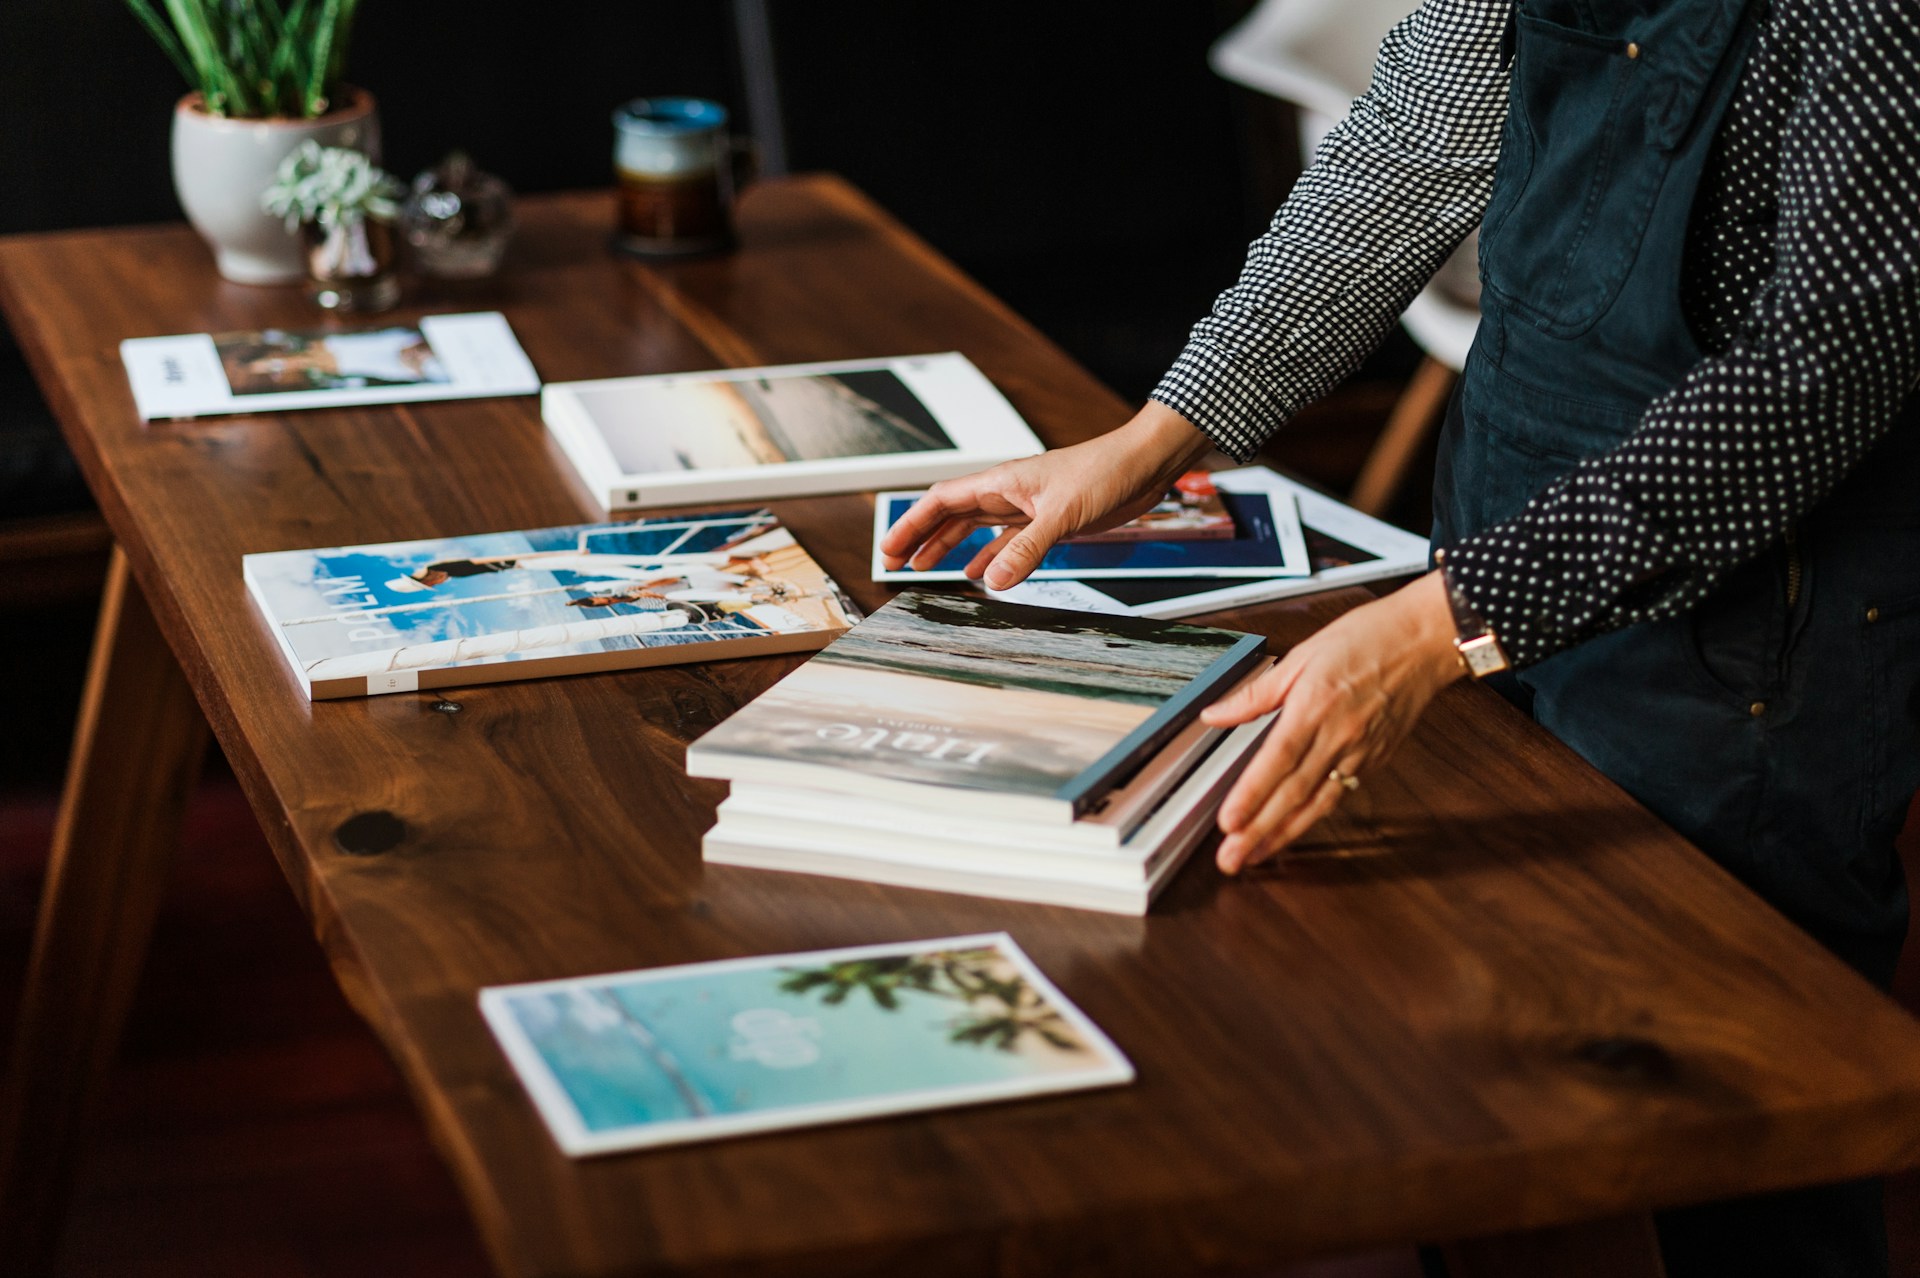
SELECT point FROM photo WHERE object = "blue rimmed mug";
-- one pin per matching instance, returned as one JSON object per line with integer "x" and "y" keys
{"x": 679, "y": 170}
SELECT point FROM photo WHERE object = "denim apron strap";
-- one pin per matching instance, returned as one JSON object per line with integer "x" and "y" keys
{"x": 1774, "y": 725}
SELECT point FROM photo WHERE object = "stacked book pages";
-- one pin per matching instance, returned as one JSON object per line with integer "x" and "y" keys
{"x": 995, "y": 749}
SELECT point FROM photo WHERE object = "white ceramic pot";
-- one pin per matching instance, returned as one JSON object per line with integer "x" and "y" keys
{"x": 221, "y": 167}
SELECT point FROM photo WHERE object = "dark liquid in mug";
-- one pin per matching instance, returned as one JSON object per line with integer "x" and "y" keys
{"x": 684, "y": 210}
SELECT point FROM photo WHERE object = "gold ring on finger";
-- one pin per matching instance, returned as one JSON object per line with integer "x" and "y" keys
{"x": 1345, "y": 780}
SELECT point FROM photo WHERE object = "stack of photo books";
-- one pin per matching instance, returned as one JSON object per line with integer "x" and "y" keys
{"x": 995, "y": 749}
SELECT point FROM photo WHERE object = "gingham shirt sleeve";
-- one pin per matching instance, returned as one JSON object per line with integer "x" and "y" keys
{"x": 1822, "y": 346}
{"x": 1391, "y": 192}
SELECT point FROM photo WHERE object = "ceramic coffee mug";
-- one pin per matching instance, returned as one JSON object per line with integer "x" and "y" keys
{"x": 679, "y": 169}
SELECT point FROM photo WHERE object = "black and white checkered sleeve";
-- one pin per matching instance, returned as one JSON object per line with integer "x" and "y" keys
{"x": 1391, "y": 191}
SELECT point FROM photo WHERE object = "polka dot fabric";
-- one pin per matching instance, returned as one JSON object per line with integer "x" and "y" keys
{"x": 1803, "y": 281}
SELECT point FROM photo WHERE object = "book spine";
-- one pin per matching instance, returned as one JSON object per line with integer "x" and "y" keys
{"x": 1113, "y": 767}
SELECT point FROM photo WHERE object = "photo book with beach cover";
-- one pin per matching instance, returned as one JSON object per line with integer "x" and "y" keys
{"x": 1344, "y": 548}
{"x": 970, "y": 705}
{"x": 361, "y": 620}
{"x": 441, "y": 357}
{"x": 676, "y": 1054}
{"x": 753, "y": 434}
{"x": 768, "y": 829}
{"x": 1267, "y": 541}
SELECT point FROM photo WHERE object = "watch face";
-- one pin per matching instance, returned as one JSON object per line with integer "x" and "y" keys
{"x": 1483, "y": 656}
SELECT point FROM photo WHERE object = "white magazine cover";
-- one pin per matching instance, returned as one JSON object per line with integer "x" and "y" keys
{"x": 705, "y": 1050}
{"x": 1267, "y": 541}
{"x": 1345, "y": 547}
{"x": 753, "y": 434}
{"x": 269, "y": 370}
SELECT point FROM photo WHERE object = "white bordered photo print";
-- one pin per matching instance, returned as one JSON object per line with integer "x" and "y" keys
{"x": 669, "y": 1055}
{"x": 271, "y": 370}
{"x": 1344, "y": 548}
{"x": 1266, "y": 542}
{"x": 754, "y": 434}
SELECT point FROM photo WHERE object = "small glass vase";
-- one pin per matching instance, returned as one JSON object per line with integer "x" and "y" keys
{"x": 352, "y": 265}
{"x": 457, "y": 221}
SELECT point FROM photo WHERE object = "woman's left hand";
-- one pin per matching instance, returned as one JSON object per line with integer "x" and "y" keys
{"x": 1348, "y": 696}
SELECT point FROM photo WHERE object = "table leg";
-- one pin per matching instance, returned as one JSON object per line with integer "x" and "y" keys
{"x": 136, "y": 755}
{"x": 1619, "y": 1247}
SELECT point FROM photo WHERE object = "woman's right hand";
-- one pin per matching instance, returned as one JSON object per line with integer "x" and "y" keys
{"x": 1040, "y": 500}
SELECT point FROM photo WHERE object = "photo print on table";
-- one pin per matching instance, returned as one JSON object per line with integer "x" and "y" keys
{"x": 277, "y": 360}
{"x": 706, "y": 1050}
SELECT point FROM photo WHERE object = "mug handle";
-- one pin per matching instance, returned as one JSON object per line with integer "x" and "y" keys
{"x": 743, "y": 155}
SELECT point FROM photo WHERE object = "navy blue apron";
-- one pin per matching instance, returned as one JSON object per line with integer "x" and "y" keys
{"x": 1777, "y": 725}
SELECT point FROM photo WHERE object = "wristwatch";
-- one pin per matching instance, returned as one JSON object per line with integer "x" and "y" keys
{"x": 1474, "y": 642}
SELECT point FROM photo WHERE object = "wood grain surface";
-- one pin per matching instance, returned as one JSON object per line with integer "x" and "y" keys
{"x": 1493, "y": 994}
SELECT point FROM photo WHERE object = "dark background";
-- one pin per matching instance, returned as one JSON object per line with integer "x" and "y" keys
{"x": 1079, "y": 159}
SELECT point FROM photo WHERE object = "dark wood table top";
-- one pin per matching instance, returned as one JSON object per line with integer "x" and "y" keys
{"x": 1492, "y": 994}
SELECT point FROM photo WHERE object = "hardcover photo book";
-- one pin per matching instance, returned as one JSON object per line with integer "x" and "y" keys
{"x": 754, "y": 434}
{"x": 441, "y": 357}
{"x": 361, "y": 620}
{"x": 707, "y": 1050}
{"x": 1344, "y": 548}
{"x": 994, "y": 859}
{"x": 1266, "y": 541}
{"x": 977, "y": 706}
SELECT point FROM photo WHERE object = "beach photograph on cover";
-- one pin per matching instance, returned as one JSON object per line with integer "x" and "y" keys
{"x": 682, "y": 1053}
{"x": 654, "y": 582}
{"x": 954, "y": 690}
{"x": 277, "y": 360}
{"x": 701, "y": 423}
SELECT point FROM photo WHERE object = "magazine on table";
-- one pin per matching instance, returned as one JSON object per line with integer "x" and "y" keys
{"x": 1107, "y": 824}
{"x": 361, "y": 620}
{"x": 754, "y": 434}
{"x": 1344, "y": 548}
{"x": 972, "y": 705}
{"x": 707, "y": 1050}
{"x": 1267, "y": 542}
{"x": 1124, "y": 880}
{"x": 441, "y": 357}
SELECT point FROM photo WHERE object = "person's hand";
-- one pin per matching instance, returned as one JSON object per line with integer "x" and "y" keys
{"x": 1040, "y": 500}
{"x": 1347, "y": 697}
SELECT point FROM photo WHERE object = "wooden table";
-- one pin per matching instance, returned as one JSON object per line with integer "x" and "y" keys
{"x": 1492, "y": 1001}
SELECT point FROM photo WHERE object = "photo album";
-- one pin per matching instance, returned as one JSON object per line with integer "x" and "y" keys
{"x": 669, "y": 1055}
{"x": 990, "y": 857}
{"x": 970, "y": 705}
{"x": 442, "y": 357}
{"x": 755, "y": 434}
{"x": 361, "y": 620}
{"x": 1343, "y": 546}
{"x": 1264, "y": 540}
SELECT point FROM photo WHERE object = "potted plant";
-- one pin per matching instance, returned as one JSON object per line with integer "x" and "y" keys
{"x": 265, "y": 78}
{"x": 344, "y": 208}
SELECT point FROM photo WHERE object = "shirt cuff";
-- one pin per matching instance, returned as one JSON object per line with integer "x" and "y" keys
{"x": 1237, "y": 411}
